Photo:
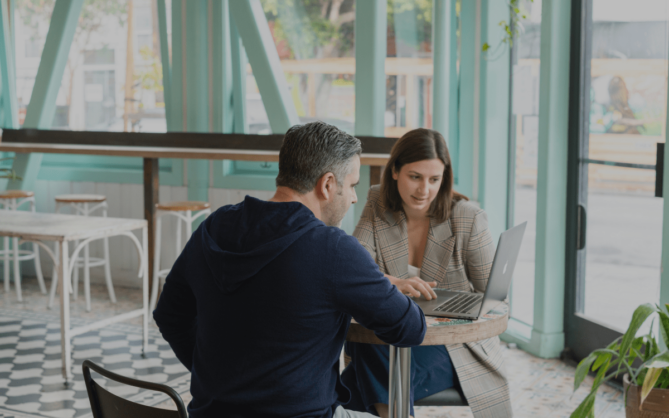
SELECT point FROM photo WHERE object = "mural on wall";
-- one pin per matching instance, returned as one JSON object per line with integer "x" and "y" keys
{"x": 633, "y": 105}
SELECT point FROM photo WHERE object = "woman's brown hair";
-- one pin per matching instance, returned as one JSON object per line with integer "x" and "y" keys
{"x": 418, "y": 145}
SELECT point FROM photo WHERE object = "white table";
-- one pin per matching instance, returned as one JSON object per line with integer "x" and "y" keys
{"x": 63, "y": 229}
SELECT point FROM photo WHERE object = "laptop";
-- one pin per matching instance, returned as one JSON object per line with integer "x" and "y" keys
{"x": 468, "y": 305}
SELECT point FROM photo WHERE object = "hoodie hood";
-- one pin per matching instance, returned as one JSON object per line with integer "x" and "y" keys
{"x": 240, "y": 240}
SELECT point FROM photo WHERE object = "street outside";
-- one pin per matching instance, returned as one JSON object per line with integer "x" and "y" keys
{"x": 623, "y": 250}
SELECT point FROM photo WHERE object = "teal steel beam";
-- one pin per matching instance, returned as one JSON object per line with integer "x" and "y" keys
{"x": 470, "y": 50}
{"x": 42, "y": 106}
{"x": 165, "y": 61}
{"x": 493, "y": 117}
{"x": 239, "y": 63}
{"x": 370, "y": 74}
{"x": 178, "y": 68}
{"x": 10, "y": 106}
{"x": 197, "y": 91}
{"x": 264, "y": 58}
{"x": 222, "y": 115}
{"x": 547, "y": 335}
{"x": 445, "y": 76}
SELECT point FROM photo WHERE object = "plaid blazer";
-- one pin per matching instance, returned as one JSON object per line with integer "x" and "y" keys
{"x": 458, "y": 256}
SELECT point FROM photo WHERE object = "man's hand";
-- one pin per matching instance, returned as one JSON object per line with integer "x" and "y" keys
{"x": 414, "y": 286}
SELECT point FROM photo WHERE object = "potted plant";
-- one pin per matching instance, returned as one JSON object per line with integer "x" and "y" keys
{"x": 8, "y": 173}
{"x": 645, "y": 385}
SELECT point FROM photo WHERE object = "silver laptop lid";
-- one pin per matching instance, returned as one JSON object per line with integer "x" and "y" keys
{"x": 503, "y": 266}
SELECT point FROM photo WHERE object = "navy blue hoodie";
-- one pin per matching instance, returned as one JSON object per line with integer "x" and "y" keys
{"x": 258, "y": 304}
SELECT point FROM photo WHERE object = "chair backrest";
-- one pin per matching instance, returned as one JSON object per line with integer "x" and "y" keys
{"x": 107, "y": 405}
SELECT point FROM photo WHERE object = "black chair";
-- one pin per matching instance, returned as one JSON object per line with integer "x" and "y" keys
{"x": 448, "y": 397}
{"x": 107, "y": 405}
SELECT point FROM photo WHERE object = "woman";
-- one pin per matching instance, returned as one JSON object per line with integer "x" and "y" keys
{"x": 423, "y": 234}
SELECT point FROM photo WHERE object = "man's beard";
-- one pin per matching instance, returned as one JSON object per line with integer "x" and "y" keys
{"x": 334, "y": 213}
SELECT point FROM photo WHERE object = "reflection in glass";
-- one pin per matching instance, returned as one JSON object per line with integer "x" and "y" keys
{"x": 627, "y": 119}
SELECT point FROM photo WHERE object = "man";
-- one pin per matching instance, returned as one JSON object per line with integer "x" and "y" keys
{"x": 258, "y": 304}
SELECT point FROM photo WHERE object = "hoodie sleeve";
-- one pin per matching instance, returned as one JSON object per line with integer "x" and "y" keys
{"x": 363, "y": 292}
{"x": 176, "y": 315}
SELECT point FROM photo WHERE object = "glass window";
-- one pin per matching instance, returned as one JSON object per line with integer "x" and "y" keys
{"x": 525, "y": 134}
{"x": 315, "y": 42}
{"x": 408, "y": 66}
{"x": 628, "y": 88}
{"x": 99, "y": 91}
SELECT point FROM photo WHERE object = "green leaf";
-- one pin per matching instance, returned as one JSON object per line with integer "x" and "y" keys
{"x": 639, "y": 317}
{"x": 664, "y": 327}
{"x": 604, "y": 358}
{"x": 648, "y": 383}
{"x": 660, "y": 361}
{"x": 602, "y": 372}
{"x": 485, "y": 47}
{"x": 587, "y": 407}
{"x": 636, "y": 347}
{"x": 582, "y": 370}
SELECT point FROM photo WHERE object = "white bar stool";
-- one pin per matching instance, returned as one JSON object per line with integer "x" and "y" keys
{"x": 188, "y": 212}
{"x": 85, "y": 205}
{"x": 12, "y": 200}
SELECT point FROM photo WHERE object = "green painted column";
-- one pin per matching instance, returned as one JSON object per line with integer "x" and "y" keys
{"x": 370, "y": 81}
{"x": 493, "y": 117}
{"x": 470, "y": 54}
{"x": 370, "y": 60}
{"x": 264, "y": 58}
{"x": 445, "y": 76}
{"x": 198, "y": 87}
{"x": 165, "y": 61}
{"x": 547, "y": 334}
{"x": 222, "y": 95}
{"x": 178, "y": 68}
{"x": 10, "y": 107}
{"x": 42, "y": 106}
{"x": 239, "y": 62}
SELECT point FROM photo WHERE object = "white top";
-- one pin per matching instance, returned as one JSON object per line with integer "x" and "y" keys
{"x": 56, "y": 227}
{"x": 413, "y": 271}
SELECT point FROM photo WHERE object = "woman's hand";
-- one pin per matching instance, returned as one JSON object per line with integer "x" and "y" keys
{"x": 414, "y": 286}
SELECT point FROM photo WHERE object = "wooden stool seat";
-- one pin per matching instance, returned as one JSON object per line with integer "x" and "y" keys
{"x": 16, "y": 194}
{"x": 80, "y": 198}
{"x": 182, "y": 206}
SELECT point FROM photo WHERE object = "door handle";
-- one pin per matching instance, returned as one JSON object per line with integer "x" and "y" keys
{"x": 582, "y": 227}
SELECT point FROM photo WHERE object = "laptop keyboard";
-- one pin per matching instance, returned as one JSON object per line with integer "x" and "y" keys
{"x": 460, "y": 304}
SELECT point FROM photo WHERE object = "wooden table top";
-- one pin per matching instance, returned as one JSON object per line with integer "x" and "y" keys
{"x": 443, "y": 331}
{"x": 57, "y": 227}
{"x": 166, "y": 152}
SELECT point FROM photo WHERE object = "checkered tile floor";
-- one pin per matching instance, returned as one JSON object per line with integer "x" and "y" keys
{"x": 31, "y": 384}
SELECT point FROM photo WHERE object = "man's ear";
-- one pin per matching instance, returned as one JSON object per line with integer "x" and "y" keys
{"x": 326, "y": 186}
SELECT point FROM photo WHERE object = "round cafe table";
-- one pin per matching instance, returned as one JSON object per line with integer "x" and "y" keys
{"x": 440, "y": 331}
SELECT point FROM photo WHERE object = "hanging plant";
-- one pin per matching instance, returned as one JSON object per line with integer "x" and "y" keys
{"x": 514, "y": 27}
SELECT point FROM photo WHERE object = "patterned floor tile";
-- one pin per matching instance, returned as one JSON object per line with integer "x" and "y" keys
{"x": 31, "y": 385}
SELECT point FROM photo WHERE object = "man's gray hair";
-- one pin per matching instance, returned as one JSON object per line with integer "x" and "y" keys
{"x": 309, "y": 151}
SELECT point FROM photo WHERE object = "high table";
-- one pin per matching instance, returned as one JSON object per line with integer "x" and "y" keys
{"x": 188, "y": 145}
{"x": 63, "y": 229}
{"x": 440, "y": 331}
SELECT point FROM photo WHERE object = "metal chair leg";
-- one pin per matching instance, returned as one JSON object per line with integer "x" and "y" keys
{"x": 17, "y": 272}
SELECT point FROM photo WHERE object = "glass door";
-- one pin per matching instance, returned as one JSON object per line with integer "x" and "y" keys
{"x": 618, "y": 103}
